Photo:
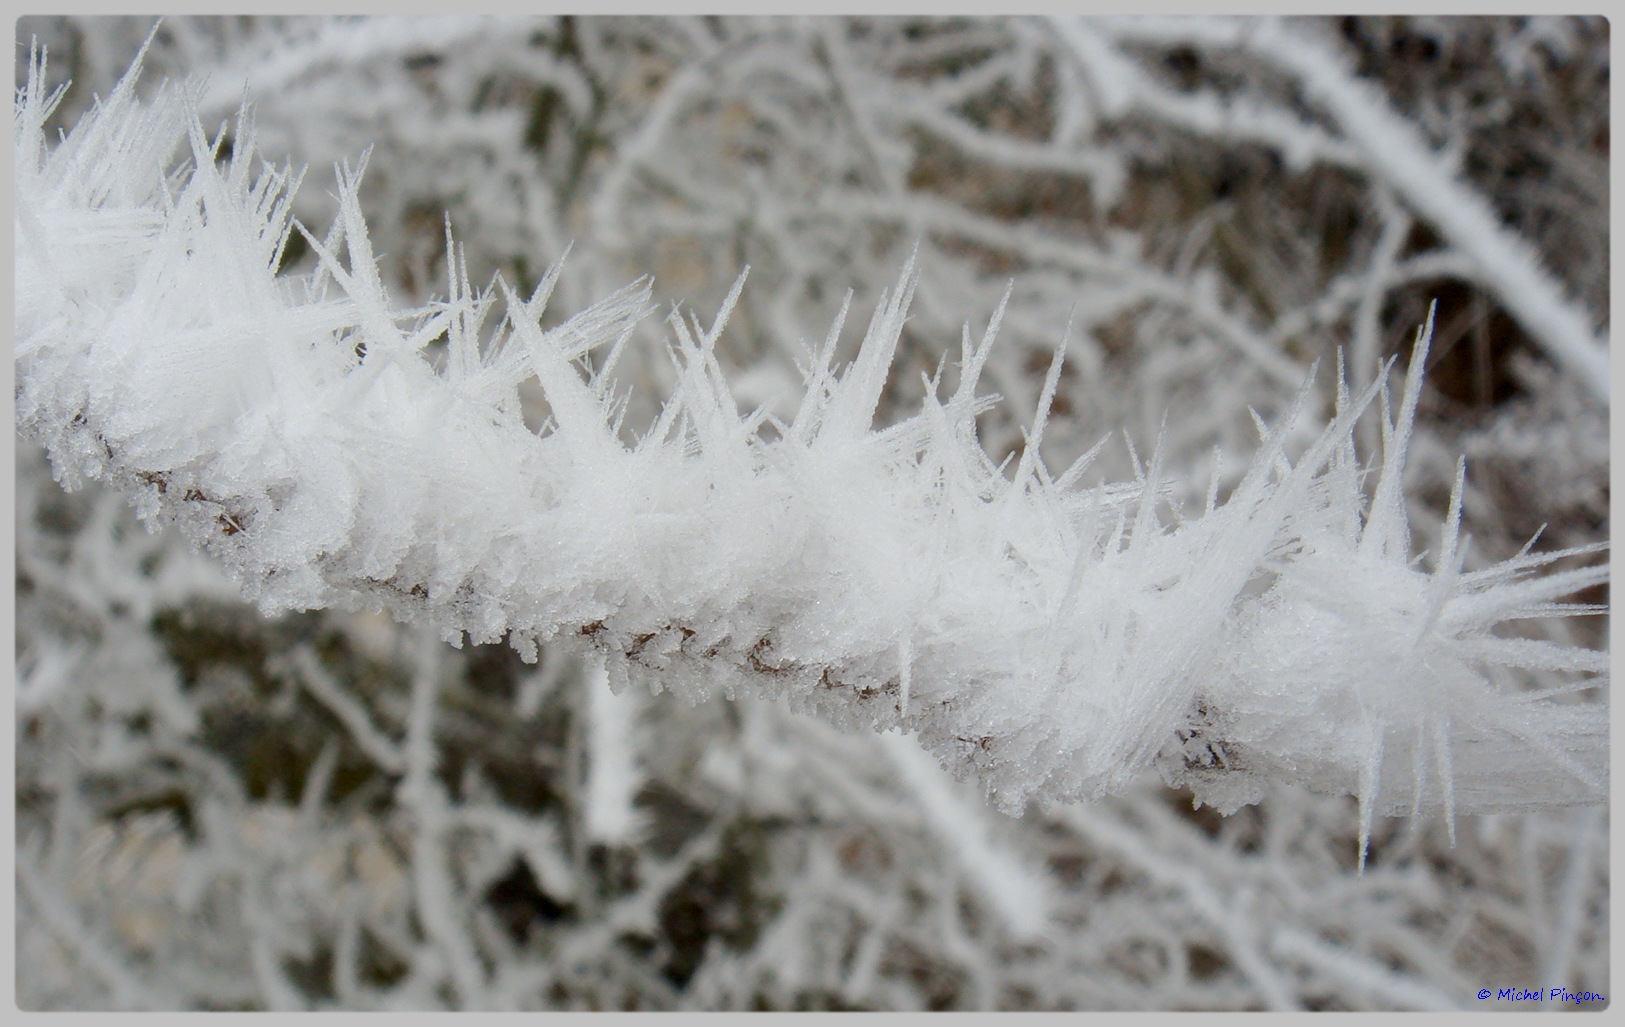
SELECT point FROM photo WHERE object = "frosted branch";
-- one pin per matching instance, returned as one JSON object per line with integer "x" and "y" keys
{"x": 1054, "y": 640}
{"x": 1395, "y": 153}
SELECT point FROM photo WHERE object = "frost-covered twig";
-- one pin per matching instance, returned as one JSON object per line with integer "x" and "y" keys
{"x": 1394, "y": 152}
{"x": 1387, "y": 988}
{"x": 1054, "y": 639}
{"x": 57, "y": 916}
{"x": 284, "y": 60}
{"x": 425, "y": 798}
{"x": 613, "y": 777}
{"x": 1562, "y": 933}
{"x": 1007, "y": 884}
{"x": 1122, "y": 85}
{"x": 1132, "y": 277}
{"x": 349, "y": 711}
{"x": 1198, "y": 893}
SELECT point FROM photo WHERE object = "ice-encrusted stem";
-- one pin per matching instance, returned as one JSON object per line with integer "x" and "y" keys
{"x": 1059, "y": 639}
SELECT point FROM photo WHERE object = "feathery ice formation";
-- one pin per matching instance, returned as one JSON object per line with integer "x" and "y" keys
{"x": 1053, "y": 639}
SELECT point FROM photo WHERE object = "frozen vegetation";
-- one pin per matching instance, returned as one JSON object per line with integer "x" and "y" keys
{"x": 1139, "y": 505}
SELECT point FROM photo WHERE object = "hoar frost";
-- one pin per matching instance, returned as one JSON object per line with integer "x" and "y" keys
{"x": 1052, "y": 637}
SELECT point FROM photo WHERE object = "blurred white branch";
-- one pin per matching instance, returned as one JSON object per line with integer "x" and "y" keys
{"x": 1394, "y": 152}
{"x": 95, "y": 954}
{"x": 613, "y": 777}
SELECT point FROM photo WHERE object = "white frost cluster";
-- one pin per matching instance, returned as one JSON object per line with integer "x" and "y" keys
{"x": 1052, "y": 635}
